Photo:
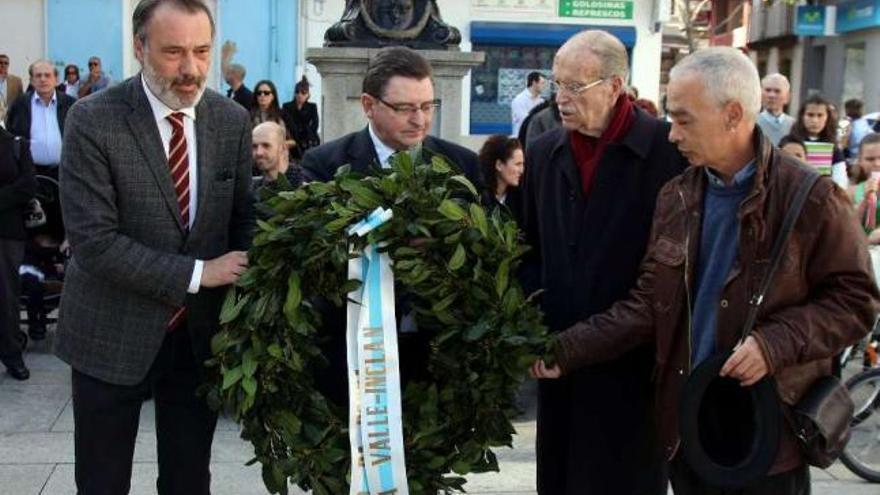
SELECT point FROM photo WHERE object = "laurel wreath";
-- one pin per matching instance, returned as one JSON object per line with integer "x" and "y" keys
{"x": 459, "y": 279}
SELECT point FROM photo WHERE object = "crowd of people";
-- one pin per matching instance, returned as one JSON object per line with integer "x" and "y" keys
{"x": 649, "y": 234}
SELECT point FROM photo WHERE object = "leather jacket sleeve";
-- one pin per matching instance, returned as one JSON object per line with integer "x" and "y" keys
{"x": 842, "y": 300}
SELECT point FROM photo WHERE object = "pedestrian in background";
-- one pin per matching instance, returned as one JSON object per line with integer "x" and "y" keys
{"x": 17, "y": 188}
{"x": 97, "y": 79}
{"x": 502, "y": 164}
{"x": 526, "y": 100}
{"x": 301, "y": 117}
{"x": 71, "y": 83}
{"x": 775, "y": 94}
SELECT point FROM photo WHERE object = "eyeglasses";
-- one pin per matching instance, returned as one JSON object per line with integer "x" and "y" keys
{"x": 263, "y": 93}
{"x": 4, "y": 62}
{"x": 427, "y": 107}
{"x": 573, "y": 88}
{"x": 92, "y": 64}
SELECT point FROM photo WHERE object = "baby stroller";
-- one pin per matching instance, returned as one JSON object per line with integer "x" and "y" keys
{"x": 42, "y": 271}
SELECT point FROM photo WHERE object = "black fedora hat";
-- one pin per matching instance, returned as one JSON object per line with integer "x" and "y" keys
{"x": 729, "y": 433}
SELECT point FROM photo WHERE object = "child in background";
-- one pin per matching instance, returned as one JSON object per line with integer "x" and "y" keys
{"x": 793, "y": 146}
{"x": 869, "y": 161}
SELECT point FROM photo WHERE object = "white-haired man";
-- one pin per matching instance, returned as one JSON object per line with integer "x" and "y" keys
{"x": 713, "y": 229}
{"x": 588, "y": 199}
{"x": 775, "y": 94}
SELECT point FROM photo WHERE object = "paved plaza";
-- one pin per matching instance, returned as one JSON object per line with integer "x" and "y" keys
{"x": 36, "y": 446}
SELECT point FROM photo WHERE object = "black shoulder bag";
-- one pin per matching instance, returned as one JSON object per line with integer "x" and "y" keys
{"x": 821, "y": 419}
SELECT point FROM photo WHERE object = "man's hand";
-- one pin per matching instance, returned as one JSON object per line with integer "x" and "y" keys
{"x": 224, "y": 270}
{"x": 747, "y": 363}
{"x": 540, "y": 370}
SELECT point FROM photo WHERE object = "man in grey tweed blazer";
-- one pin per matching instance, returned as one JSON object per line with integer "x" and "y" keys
{"x": 155, "y": 190}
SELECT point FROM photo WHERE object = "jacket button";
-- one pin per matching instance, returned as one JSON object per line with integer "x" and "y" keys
{"x": 571, "y": 197}
{"x": 681, "y": 371}
{"x": 724, "y": 303}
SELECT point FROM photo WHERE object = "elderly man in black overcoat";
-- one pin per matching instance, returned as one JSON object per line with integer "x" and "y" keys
{"x": 588, "y": 198}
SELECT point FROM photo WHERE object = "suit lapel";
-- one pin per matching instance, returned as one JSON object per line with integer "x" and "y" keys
{"x": 205, "y": 134}
{"x": 143, "y": 125}
{"x": 362, "y": 154}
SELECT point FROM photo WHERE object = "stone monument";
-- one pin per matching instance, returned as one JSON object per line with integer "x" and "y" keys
{"x": 365, "y": 27}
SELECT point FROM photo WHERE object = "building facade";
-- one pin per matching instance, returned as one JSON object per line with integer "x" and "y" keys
{"x": 847, "y": 65}
{"x": 71, "y": 31}
{"x": 271, "y": 37}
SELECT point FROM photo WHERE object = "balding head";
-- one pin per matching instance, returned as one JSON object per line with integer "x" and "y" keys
{"x": 590, "y": 72}
{"x": 610, "y": 52}
{"x": 235, "y": 74}
{"x": 269, "y": 149}
{"x": 775, "y": 92}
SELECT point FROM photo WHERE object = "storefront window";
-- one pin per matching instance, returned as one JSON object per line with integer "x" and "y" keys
{"x": 495, "y": 83}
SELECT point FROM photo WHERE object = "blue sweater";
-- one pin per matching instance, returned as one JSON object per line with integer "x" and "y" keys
{"x": 719, "y": 240}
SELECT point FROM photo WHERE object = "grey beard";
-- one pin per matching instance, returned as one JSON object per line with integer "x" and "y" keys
{"x": 161, "y": 88}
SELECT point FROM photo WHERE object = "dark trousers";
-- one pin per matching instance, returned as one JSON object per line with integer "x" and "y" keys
{"x": 11, "y": 254}
{"x": 686, "y": 482}
{"x": 106, "y": 424}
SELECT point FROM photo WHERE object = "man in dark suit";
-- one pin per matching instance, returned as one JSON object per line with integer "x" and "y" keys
{"x": 17, "y": 187}
{"x": 398, "y": 100}
{"x": 50, "y": 107}
{"x": 588, "y": 200}
{"x": 155, "y": 189}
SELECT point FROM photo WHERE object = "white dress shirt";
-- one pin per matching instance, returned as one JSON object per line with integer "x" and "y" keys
{"x": 160, "y": 112}
{"x": 383, "y": 151}
{"x": 520, "y": 107}
{"x": 45, "y": 133}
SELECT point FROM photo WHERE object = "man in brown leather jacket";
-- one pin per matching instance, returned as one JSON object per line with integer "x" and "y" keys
{"x": 712, "y": 233}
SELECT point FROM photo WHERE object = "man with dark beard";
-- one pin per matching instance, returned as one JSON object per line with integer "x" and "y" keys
{"x": 588, "y": 199}
{"x": 155, "y": 188}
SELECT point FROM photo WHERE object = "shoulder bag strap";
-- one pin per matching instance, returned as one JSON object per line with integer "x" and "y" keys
{"x": 791, "y": 217}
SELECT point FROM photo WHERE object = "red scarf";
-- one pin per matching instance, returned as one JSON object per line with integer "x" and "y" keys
{"x": 587, "y": 150}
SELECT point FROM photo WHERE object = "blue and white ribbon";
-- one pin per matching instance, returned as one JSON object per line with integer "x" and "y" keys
{"x": 375, "y": 416}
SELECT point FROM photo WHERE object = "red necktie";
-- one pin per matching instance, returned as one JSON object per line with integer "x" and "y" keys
{"x": 178, "y": 161}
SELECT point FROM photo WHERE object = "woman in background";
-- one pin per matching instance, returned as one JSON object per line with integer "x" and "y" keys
{"x": 501, "y": 162}
{"x": 301, "y": 117}
{"x": 817, "y": 122}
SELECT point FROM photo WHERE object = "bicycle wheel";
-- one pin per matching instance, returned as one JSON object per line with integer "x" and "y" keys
{"x": 862, "y": 453}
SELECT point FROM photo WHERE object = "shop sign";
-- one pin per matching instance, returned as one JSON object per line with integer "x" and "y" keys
{"x": 811, "y": 20}
{"x": 858, "y": 14}
{"x": 596, "y": 9}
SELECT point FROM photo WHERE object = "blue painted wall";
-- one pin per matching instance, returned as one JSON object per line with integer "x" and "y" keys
{"x": 265, "y": 32}
{"x": 82, "y": 29}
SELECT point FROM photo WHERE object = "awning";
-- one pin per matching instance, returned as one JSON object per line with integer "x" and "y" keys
{"x": 539, "y": 34}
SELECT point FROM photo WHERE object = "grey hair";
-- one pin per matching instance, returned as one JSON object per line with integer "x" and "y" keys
{"x": 238, "y": 70}
{"x": 777, "y": 77}
{"x": 727, "y": 76}
{"x": 611, "y": 53}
